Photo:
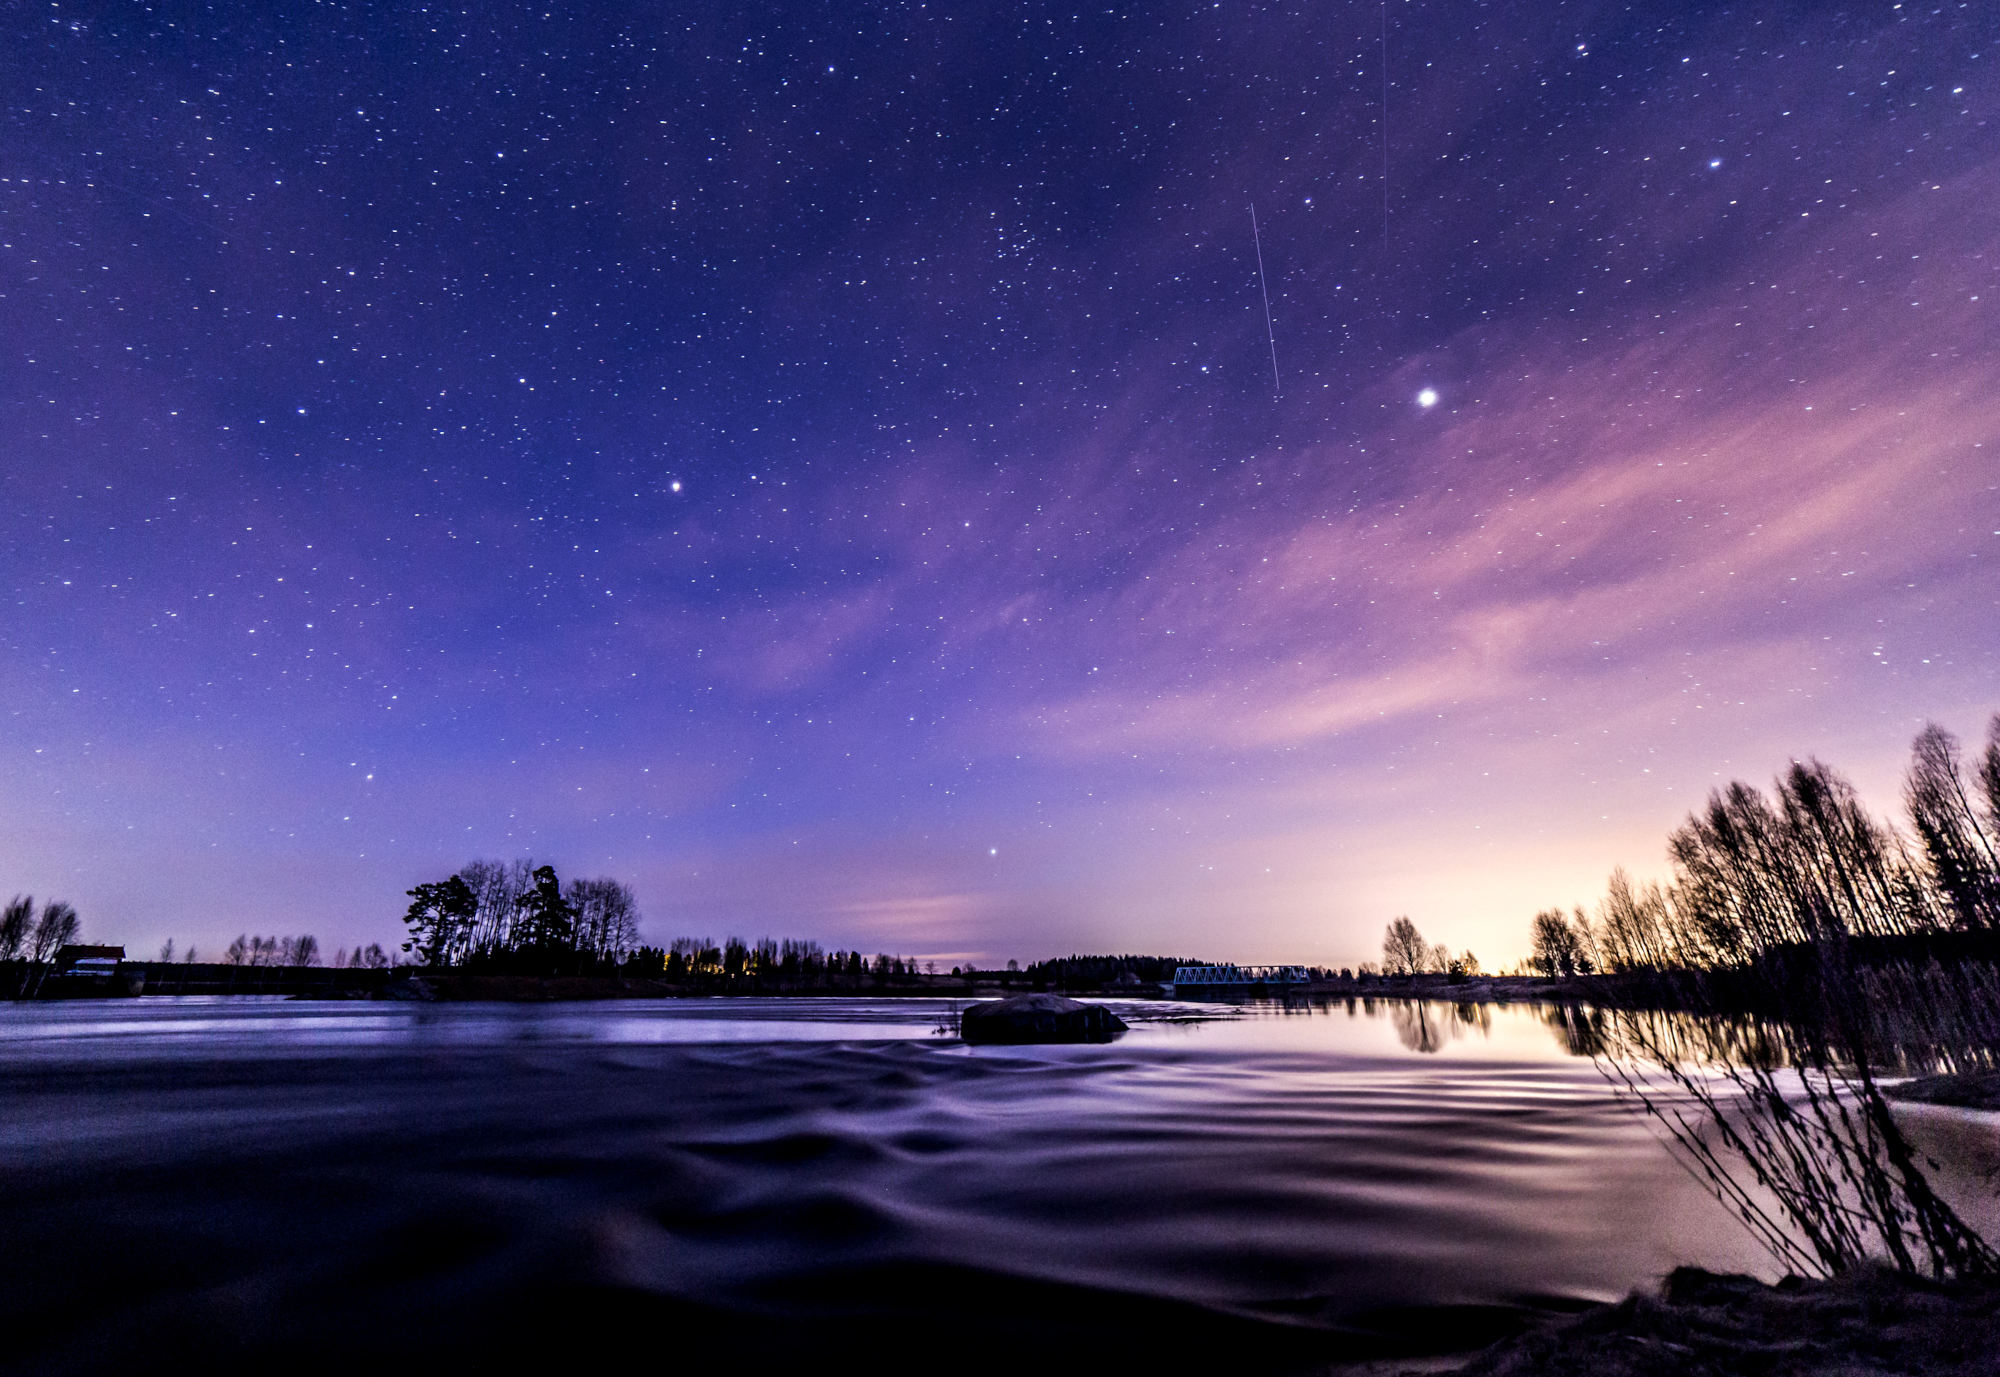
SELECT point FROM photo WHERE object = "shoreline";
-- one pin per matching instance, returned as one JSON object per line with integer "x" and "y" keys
{"x": 142, "y": 979}
{"x": 1869, "y": 1321}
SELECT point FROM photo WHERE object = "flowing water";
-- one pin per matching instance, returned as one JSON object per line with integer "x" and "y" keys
{"x": 764, "y": 1183}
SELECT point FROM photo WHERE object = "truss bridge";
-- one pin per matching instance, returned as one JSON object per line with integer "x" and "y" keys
{"x": 1186, "y": 977}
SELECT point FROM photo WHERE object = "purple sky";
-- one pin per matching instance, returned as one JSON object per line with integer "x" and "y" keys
{"x": 823, "y": 467}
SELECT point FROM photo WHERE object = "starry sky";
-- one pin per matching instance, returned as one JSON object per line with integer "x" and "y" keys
{"x": 830, "y": 466}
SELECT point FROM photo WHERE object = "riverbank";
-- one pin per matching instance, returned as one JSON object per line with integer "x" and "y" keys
{"x": 1701, "y": 1324}
{"x": 1970, "y": 1090}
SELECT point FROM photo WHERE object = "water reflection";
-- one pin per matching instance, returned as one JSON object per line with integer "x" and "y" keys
{"x": 1423, "y": 1026}
{"x": 1579, "y": 1029}
{"x": 1787, "y": 1120}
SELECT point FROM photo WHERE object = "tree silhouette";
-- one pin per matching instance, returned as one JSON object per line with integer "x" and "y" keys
{"x": 1988, "y": 774}
{"x": 15, "y": 920}
{"x": 1558, "y": 948}
{"x": 544, "y": 922}
{"x": 438, "y": 916}
{"x": 54, "y": 930}
{"x": 607, "y": 918}
{"x": 1963, "y": 858}
{"x": 1404, "y": 951}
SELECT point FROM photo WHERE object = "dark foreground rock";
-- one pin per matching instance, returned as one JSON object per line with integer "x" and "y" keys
{"x": 1038, "y": 1018}
{"x": 1870, "y": 1324}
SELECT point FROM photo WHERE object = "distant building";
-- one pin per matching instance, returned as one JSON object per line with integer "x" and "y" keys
{"x": 78, "y": 951}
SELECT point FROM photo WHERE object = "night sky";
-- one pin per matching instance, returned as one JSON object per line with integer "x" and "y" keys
{"x": 822, "y": 463}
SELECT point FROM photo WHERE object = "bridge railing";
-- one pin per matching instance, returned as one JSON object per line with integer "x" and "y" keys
{"x": 1241, "y": 975}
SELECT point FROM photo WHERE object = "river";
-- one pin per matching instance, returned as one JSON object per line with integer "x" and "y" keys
{"x": 765, "y": 1183}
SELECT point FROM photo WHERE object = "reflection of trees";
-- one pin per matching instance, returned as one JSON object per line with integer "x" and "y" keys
{"x": 1784, "y": 1120}
{"x": 1926, "y": 1018}
{"x": 1812, "y": 949}
{"x": 1425, "y": 1027}
{"x": 1580, "y": 1030}
{"x": 1416, "y": 1027}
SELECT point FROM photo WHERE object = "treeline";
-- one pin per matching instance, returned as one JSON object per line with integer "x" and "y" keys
{"x": 264, "y": 951}
{"x": 302, "y": 950}
{"x": 1806, "y": 865}
{"x": 1406, "y": 953}
{"x": 769, "y": 961}
{"x": 517, "y": 917}
{"x": 1103, "y": 972}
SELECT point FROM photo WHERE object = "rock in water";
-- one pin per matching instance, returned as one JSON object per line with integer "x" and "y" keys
{"x": 1038, "y": 1018}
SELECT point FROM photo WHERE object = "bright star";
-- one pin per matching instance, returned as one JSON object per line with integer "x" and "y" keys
{"x": 675, "y": 486}
{"x": 1428, "y": 397}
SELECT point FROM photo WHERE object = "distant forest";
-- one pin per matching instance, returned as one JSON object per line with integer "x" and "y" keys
{"x": 784, "y": 963}
{"x": 1104, "y": 972}
{"x": 519, "y": 918}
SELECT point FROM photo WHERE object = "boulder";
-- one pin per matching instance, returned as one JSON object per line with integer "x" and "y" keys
{"x": 1038, "y": 1018}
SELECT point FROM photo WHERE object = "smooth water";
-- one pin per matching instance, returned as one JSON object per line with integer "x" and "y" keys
{"x": 772, "y": 1182}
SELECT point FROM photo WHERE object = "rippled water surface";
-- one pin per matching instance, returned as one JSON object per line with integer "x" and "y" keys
{"x": 768, "y": 1182}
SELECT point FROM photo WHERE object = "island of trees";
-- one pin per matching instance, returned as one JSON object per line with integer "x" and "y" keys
{"x": 517, "y": 918}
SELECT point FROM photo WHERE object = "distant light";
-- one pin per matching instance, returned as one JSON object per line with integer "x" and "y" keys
{"x": 675, "y": 486}
{"x": 1428, "y": 397}
{"x": 1714, "y": 163}
{"x": 992, "y": 850}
